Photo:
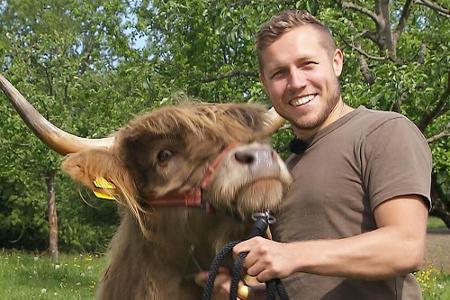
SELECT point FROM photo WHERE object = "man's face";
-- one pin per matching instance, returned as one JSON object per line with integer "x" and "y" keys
{"x": 300, "y": 76}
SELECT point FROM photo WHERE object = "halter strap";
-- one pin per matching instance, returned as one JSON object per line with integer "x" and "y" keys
{"x": 190, "y": 198}
{"x": 211, "y": 168}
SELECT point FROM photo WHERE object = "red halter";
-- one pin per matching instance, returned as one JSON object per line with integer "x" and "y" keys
{"x": 192, "y": 197}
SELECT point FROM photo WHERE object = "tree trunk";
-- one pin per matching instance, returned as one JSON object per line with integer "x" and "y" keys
{"x": 384, "y": 31}
{"x": 52, "y": 216}
{"x": 439, "y": 208}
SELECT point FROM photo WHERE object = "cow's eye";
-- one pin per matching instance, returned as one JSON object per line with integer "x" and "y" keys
{"x": 164, "y": 155}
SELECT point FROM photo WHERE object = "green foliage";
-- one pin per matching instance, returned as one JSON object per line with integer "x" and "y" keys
{"x": 22, "y": 216}
{"x": 62, "y": 56}
{"x": 86, "y": 223}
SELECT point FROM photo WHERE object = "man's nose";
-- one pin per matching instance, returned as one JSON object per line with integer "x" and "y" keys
{"x": 296, "y": 79}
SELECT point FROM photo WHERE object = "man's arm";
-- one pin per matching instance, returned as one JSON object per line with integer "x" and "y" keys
{"x": 396, "y": 247}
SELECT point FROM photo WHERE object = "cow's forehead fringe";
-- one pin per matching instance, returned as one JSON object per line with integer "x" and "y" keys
{"x": 225, "y": 121}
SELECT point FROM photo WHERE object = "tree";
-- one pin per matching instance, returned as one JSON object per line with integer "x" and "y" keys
{"x": 401, "y": 49}
{"x": 63, "y": 56}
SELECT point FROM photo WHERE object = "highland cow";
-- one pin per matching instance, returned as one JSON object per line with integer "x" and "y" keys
{"x": 187, "y": 179}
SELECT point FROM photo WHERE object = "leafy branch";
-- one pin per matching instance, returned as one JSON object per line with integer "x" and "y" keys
{"x": 406, "y": 11}
{"x": 355, "y": 46}
{"x": 434, "y": 6}
{"x": 442, "y": 106}
{"x": 385, "y": 37}
{"x": 362, "y": 10}
{"x": 434, "y": 138}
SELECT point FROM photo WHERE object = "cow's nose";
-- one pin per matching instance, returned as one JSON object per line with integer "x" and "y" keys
{"x": 255, "y": 157}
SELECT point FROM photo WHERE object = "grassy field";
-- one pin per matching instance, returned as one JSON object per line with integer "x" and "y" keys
{"x": 28, "y": 276}
{"x": 434, "y": 283}
{"x": 435, "y": 279}
{"x": 435, "y": 223}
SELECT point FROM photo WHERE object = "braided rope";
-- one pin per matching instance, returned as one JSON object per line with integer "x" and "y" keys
{"x": 214, "y": 270}
{"x": 237, "y": 274}
{"x": 274, "y": 286}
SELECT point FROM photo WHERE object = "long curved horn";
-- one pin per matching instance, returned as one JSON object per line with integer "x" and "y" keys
{"x": 273, "y": 121}
{"x": 57, "y": 139}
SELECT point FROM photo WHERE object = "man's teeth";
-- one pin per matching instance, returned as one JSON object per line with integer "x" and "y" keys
{"x": 302, "y": 100}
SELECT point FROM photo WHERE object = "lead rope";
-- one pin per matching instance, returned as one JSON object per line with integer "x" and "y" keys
{"x": 274, "y": 286}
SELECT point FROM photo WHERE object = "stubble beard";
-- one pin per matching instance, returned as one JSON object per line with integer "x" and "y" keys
{"x": 330, "y": 104}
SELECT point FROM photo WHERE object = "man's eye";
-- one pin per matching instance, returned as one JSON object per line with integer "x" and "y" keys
{"x": 164, "y": 155}
{"x": 309, "y": 63}
{"x": 277, "y": 74}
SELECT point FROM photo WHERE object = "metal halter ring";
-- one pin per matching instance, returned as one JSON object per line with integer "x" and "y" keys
{"x": 267, "y": 215}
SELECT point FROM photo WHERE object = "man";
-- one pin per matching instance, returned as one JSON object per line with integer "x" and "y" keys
{"x": 353, "y": 225}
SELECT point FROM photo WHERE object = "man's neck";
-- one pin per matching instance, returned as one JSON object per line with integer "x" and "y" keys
{"x": 339, "y": 110}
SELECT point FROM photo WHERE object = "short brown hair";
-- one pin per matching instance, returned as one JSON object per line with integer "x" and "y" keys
{"x": 286, "y": 21}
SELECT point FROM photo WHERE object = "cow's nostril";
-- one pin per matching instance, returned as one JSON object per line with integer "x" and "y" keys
{"x": 273, "y": 154}
{"x": 244, "y": 157}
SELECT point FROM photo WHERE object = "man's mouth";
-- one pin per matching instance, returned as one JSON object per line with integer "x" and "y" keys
{"x": 302, "y": 100}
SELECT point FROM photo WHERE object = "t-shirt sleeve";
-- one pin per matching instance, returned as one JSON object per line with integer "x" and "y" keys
{"x": 398, "y": 162}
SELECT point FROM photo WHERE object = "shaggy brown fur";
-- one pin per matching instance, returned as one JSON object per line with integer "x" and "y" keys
{"x": 156, "y": 250}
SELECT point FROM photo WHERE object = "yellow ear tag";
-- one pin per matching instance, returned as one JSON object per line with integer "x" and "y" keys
{"x": 103, "y": 195}
{"x": 102, "y": 183}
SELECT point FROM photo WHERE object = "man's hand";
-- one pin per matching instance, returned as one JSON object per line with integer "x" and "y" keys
{"x": 267, "y": 259}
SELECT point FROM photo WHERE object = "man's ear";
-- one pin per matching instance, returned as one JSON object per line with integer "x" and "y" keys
{"x": 91, "y": 165}
{"x": 338, "y": 62}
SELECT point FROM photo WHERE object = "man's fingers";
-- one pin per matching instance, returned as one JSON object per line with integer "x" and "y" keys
{"x": 255, "y": 269}
{"x": 200, "y": 278}
{"x": 246, "y": 246}
{"x": 222, "y": 277}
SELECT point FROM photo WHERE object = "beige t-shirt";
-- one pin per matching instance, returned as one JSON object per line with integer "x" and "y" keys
{"x": 364, "y": 158}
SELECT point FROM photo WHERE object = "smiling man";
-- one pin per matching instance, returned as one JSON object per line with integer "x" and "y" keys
{"x": 353, "y": 225}
{"x": 302, "y": 82}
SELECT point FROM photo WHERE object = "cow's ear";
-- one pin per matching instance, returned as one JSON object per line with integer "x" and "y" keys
{"x": 90, "y": 165}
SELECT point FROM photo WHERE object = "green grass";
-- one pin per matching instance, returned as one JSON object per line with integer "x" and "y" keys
{"x": 28, "y": 276}
{"x": 435, "y": 223}
{"x": 435, "y": 284}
